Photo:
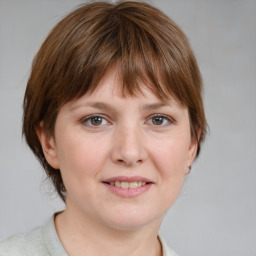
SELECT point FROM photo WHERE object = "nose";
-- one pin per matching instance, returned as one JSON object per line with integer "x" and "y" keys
{"x": 129, "y": 146}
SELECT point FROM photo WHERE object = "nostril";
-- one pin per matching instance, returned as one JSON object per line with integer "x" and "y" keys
{"x": 129, "y": 162}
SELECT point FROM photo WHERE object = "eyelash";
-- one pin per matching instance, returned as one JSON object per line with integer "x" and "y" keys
{"x": 88, "y": 119}
{"x": 168, "y": 120}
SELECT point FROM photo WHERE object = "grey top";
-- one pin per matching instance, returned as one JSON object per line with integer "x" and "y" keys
{"x": 44, "y": 241}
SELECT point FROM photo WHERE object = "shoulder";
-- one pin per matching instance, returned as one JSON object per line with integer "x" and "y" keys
{"x": 28, "y": 244}
{"x": 167, "y": 251}
{"x": 42, "y": 241}
{"x": 13, "y": 245}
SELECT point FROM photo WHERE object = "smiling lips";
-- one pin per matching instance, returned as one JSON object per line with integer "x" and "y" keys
{"x": 128, "y": 186}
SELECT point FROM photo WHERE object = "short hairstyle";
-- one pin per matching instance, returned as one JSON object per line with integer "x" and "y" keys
{"x": 142, "y": 40}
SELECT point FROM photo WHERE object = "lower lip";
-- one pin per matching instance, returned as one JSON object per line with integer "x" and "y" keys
{"x": 128, "y": 192}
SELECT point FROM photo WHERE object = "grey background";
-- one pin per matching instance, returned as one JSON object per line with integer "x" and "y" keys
{"x": 216, "y": 211}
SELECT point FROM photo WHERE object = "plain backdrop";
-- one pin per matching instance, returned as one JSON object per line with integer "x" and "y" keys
{"x": 216, "y": 211}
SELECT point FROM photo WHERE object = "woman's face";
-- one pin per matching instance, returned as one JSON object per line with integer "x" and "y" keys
{"x": 123, "y": 159}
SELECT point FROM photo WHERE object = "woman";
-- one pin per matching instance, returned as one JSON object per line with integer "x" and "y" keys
{"x": 113, "y": 111}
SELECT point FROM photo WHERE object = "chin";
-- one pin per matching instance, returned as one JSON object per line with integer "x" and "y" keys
{"x": 133, "y": 220}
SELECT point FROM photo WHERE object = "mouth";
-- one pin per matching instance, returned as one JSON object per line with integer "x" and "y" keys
{"x": 128, "y": 186}
{"x": 125, "y": 184}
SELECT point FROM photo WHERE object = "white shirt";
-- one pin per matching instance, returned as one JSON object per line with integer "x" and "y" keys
{"x": 44, "y": 241}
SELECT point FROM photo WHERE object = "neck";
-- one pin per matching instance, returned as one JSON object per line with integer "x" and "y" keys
{"x": 81, "y": 235}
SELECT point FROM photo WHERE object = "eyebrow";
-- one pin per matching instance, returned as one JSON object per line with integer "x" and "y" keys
{"x": 105, "y": 106}
{"x": 98, "y": 105}
{"x": 154, "y": 106}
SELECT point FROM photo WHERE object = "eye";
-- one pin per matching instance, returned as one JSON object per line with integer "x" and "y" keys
{"x": 160, "y": 120}
{"x": 95, "y": 120}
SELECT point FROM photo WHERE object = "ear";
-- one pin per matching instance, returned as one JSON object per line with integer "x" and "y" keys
{"x": 48, "y": 145}
{"x": 192, "y": 150}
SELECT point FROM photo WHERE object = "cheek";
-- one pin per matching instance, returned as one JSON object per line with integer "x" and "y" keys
{"x": 80, "y": 157}
{"x": 170, "y": 156}
{"x": 170, "y": 161}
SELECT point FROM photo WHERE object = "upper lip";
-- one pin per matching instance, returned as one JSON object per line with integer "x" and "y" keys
{"x": 128, "y": 179}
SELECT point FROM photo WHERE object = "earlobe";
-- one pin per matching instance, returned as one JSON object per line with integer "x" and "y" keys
{"x": 193, "y": 150}
{"x": 191, "y": 155}
{"x": 48, "y": 145}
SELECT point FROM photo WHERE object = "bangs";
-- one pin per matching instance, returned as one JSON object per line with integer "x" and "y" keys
{"x": 142, "y": 52}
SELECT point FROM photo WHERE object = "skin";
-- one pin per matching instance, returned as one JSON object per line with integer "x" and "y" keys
{"x": 127, "y": 140}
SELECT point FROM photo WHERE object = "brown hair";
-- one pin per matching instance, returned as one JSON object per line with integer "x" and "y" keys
{"x": 145, "y": 43}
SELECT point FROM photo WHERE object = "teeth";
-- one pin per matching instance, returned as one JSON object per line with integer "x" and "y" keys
{"x": 124, "y": 184}
{"x": 133, "y": 185}
{"x": 118, "y": 184}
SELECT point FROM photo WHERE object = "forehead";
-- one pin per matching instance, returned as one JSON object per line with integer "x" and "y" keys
{"x": 111, "y": 85}
{"x": 109, "y": 91}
